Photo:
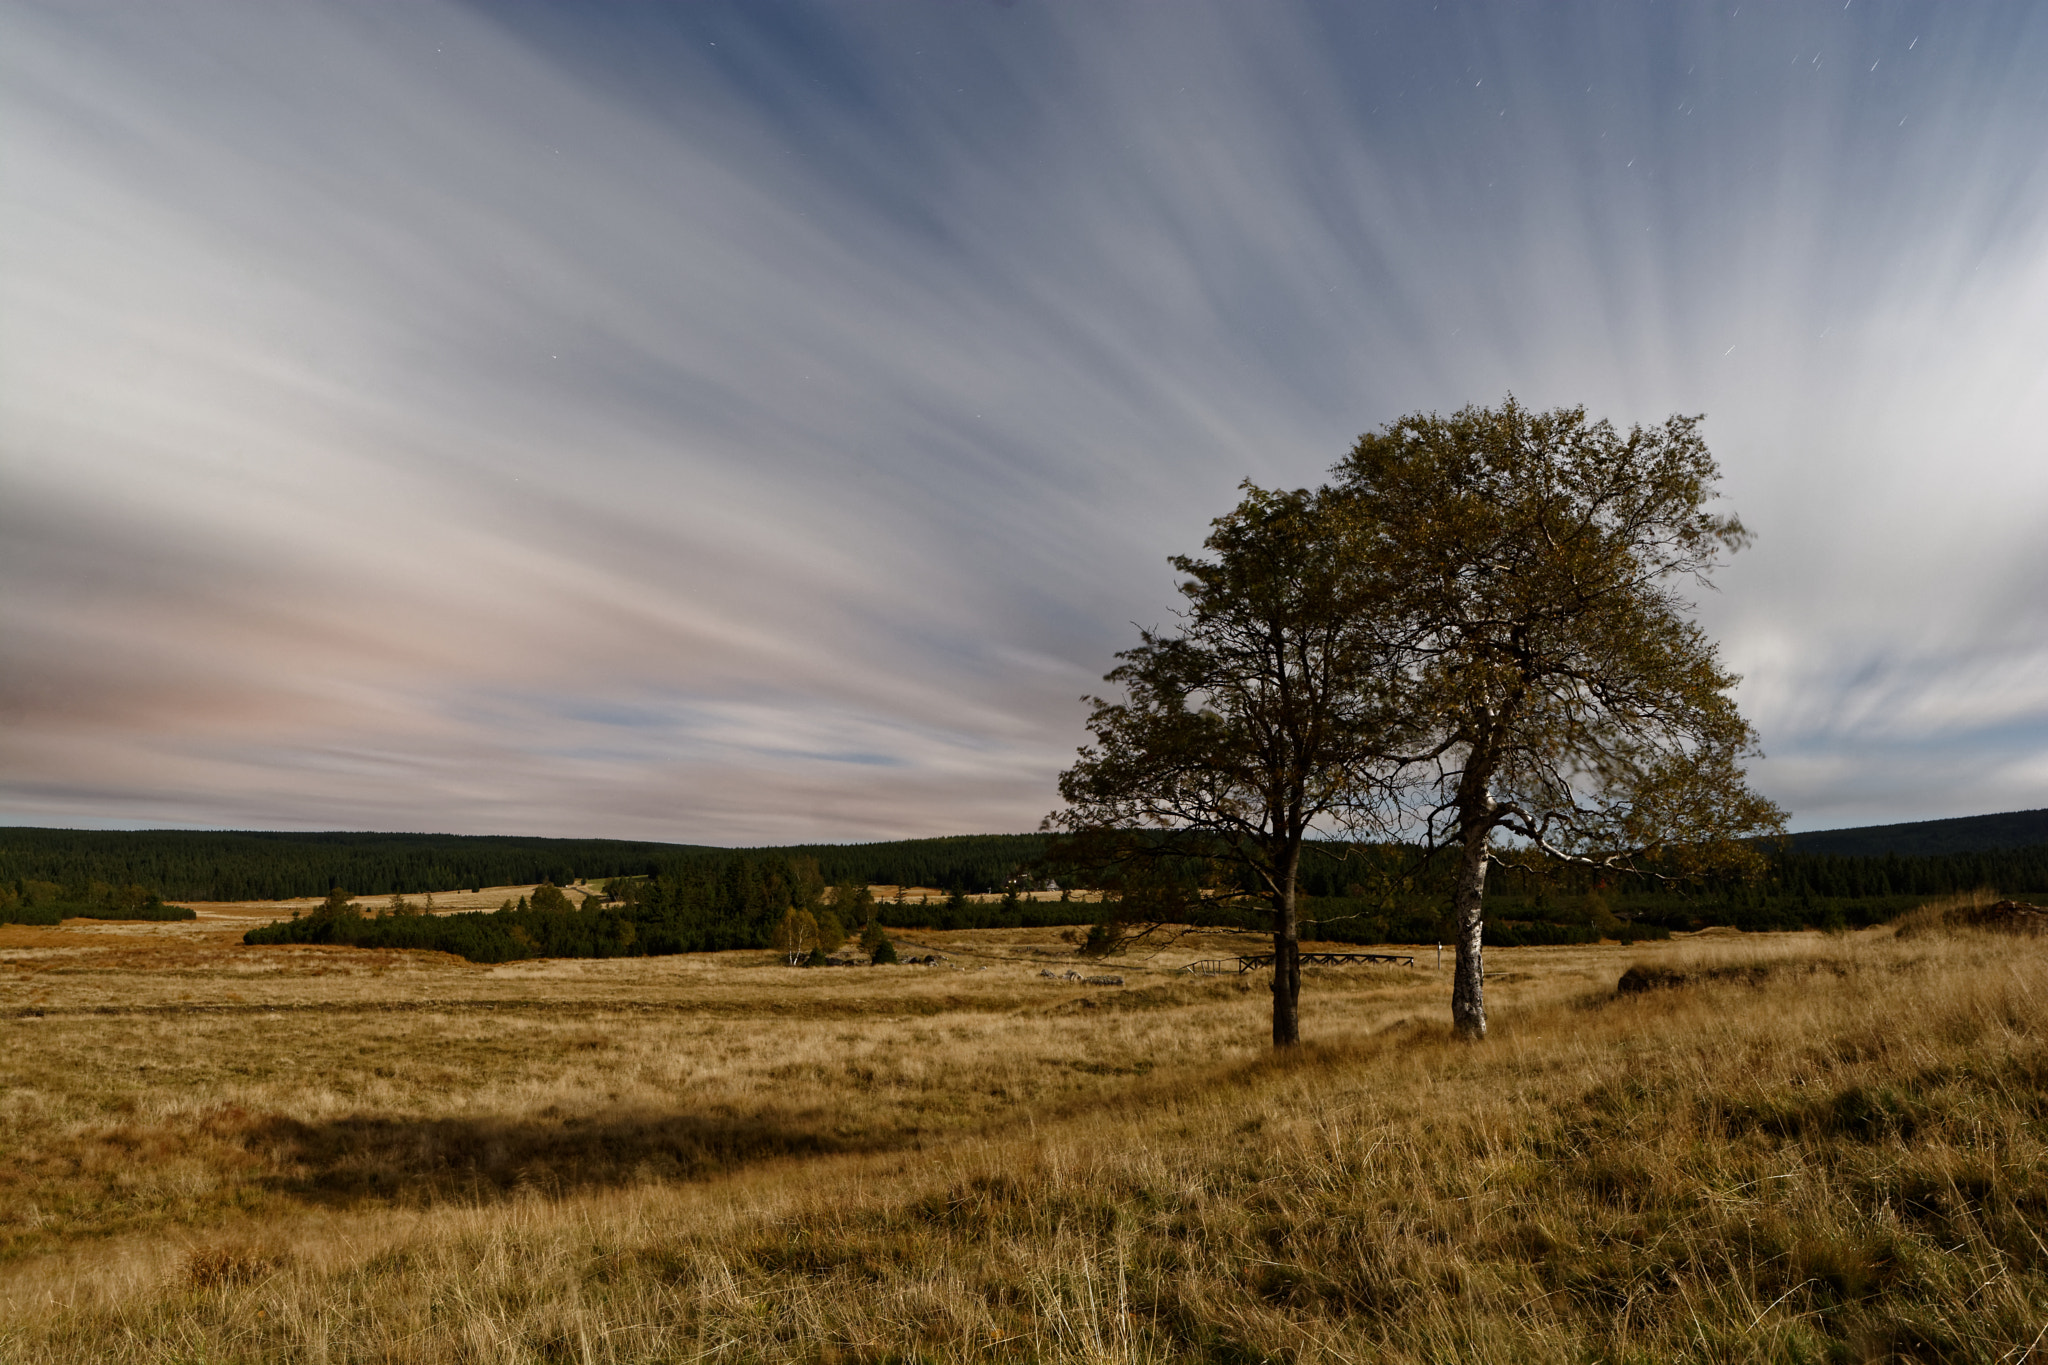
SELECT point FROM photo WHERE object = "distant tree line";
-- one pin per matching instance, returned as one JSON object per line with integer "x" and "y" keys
{"x": 976, "y": 864}
{"x": 509, "y": 934}
{"x": 676, "y": 899}
{"x": 257, "y": 865}
{"x": 1927, "y": 838}
{"x": 701, "y": 903}
{"x": 1360, "y": 894}
{"x": 1386, "y": 894}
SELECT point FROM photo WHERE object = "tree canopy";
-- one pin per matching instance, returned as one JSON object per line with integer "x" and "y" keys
{"x": 1532, "y": 564}
{"x": 1478, "y": 632}
{"x": 1260, "y": 720}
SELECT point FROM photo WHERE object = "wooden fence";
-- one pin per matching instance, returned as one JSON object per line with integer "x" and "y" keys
{"x": 1217, "y": 966}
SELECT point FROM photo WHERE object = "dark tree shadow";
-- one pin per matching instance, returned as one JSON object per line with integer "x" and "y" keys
{"x": 434, "y": 1160}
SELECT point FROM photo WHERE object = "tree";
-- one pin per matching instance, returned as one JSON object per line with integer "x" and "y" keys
{"x": 831, "y": 933}
{"x": 853, "y": 902}
{"x": 1529, "y": 564}
{"x": 797, "y": 933}
{"x": 1261, "y": 720}
{"x": 551, "y": 898}
{"x": 876, "y": 944}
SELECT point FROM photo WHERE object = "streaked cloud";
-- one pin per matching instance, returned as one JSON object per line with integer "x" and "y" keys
{"x": 744, "y": 423}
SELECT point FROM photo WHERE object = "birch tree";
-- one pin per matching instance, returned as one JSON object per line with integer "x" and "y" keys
{"x": 1531, "y": 563}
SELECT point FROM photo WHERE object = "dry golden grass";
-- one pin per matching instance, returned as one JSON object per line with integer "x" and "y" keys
{"x": 444, "y": 902}
{"x": 1824, "y": 1149}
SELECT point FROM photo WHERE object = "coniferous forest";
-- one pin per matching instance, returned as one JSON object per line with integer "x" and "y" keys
{"x": 700, "y": 903}
{"x": 670, "y": 898}
{"x": 206, "y": 865}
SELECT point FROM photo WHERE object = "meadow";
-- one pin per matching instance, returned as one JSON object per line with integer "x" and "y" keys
{"x": 1805, "y": 1147}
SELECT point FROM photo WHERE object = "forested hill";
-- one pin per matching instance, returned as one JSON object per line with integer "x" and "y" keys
{"x": 1930, "y": 838}
{"x": 260, "y": 865}
{"x": 959, "y": 862}
{"x": 213, "y": 865}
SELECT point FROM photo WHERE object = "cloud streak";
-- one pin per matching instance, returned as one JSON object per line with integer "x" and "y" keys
{"x": 756, "y": 423}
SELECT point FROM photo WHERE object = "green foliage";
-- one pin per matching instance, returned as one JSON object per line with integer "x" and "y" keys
{"x": 883, "y": 952}
{"x": 258, "y": 865}
{"x": 549, "y": 898}
{"x": 796, "y": 933}
{"x": 853, "y": 904}
{"x": 263, "y": 865}
{"x": 1531, "y": 562}
{"x": 504, "y": 935}
{"x": 31, "y": 901}
{"x": 1261, "y": 718}
{"x": 723, "y": 903}
{"x": 697, "y": 904}
{"x": 14, "y": 912}
{"x": 710, "y": 902}
{"x": 1105, "y": 937}
{"x": 1555, "y": 686}
{"x": 974, "y": 863}
{"x": 1264, "y": 717}
{"x": 831, "y": 933}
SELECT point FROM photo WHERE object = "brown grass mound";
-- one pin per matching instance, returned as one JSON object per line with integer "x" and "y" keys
{"x": 2007, "y": 917}
{"x": 1646, "y": 976}
{"x": 1981, "y": 909}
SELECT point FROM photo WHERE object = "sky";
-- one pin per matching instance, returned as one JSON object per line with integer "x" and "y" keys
{"x": 742, "y": 423}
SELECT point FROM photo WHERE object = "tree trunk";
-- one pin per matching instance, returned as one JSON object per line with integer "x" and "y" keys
{"x": 1468, "y": 911}
{"x": 1287, "y": 961}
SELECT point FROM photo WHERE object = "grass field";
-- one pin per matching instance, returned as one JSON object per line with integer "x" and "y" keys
{"x": 1824, "y": 1148}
